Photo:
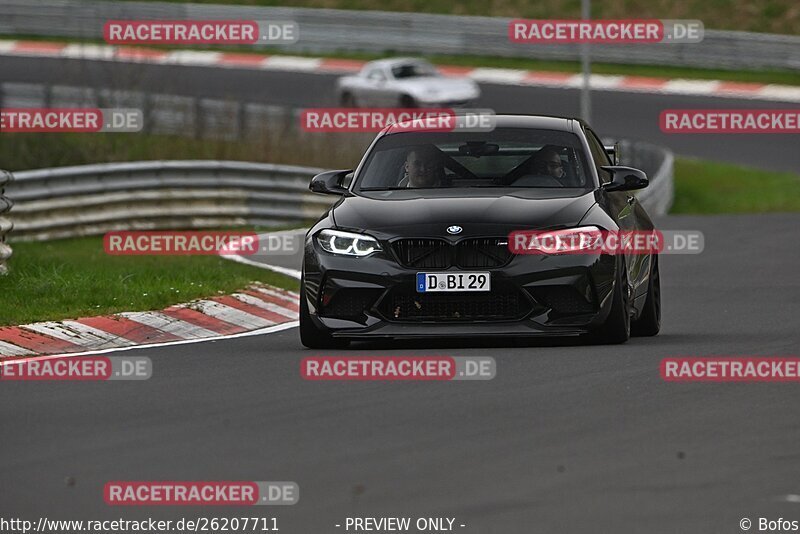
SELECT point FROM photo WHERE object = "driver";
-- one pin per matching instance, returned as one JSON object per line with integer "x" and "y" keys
{"x": 547, "y": 162}
{"x": 424, "y": 167}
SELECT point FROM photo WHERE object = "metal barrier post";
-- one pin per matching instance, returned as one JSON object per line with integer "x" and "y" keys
{"x": 5, "y": 224}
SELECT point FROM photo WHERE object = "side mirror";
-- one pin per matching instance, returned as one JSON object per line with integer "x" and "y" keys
{"x": 329, "y": 183}
{"x": 624, "y": 178}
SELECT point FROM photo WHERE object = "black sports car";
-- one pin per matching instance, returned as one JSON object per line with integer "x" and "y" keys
{"x": 419, "y": 243}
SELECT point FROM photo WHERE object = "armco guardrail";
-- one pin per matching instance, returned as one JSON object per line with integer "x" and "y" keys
{"x": 5, "y": 223}
{"x": 331, "y": 30}
{"x": 94, "y": 199}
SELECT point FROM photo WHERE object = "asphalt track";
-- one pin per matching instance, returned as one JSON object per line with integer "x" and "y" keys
{"x": 615, "y": 114}
{"x": 567, "y": 438}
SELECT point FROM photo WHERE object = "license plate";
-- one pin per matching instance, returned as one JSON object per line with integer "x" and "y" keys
{"x": 432, "y": 282}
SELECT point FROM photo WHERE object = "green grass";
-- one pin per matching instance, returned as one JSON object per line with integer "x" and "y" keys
{"x": 772, "y": 16}
{"x": 741, "y": 74}
{"x": 20, "y": 151}
{"x": 710, "y": 187}
{"x": 75, "y": 278}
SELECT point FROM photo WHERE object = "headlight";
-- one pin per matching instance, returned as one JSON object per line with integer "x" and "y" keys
{"x": 585, "y": 239}
{"x": 347, "y": 243}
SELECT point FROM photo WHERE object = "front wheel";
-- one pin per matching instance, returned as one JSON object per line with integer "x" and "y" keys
{"x": 649, "y": 322}
{"x": 407, "y": 101}
{"x": 617, "y": 327}
{"x": 348, "y": 101}
{"x": 310, "y": 335}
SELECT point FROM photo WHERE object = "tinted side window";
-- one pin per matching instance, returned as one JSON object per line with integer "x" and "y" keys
{"x": 599, "y": 156}
{"x": 376, "y": 75}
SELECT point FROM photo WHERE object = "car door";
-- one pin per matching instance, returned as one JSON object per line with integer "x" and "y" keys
{"x": 376, "y": 87}
{"x": 623, "y": 208}
{"x": 390, "y": 90}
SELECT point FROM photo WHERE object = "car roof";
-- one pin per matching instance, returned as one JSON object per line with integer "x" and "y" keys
{"x": 543, "y": 122}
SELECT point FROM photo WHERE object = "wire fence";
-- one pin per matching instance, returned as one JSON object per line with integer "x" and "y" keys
{"x": 163, "y": 113}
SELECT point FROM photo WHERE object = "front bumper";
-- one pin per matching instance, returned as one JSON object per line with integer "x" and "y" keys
{"x": 532, "y": 295}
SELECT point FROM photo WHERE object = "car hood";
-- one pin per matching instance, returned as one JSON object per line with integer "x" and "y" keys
{"x": 405, "y": 213}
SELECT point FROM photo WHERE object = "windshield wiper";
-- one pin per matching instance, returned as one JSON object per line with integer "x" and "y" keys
{"x": 398, "y": 188}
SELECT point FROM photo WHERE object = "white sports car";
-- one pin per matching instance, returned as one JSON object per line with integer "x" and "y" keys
{"x": 405, "y": 82}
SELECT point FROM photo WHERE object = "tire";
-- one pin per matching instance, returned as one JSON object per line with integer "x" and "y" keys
{"x": 407, "y": 102}
{"x": 348, "y": 101}
{"x": 649, "y": 322}
{"x": 311, "y": 336}
{"x": 617, "y": 327}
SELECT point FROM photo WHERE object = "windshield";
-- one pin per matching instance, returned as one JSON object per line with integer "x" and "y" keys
{"x": 503, "y": 158}
{"x": 413, "y": 70}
